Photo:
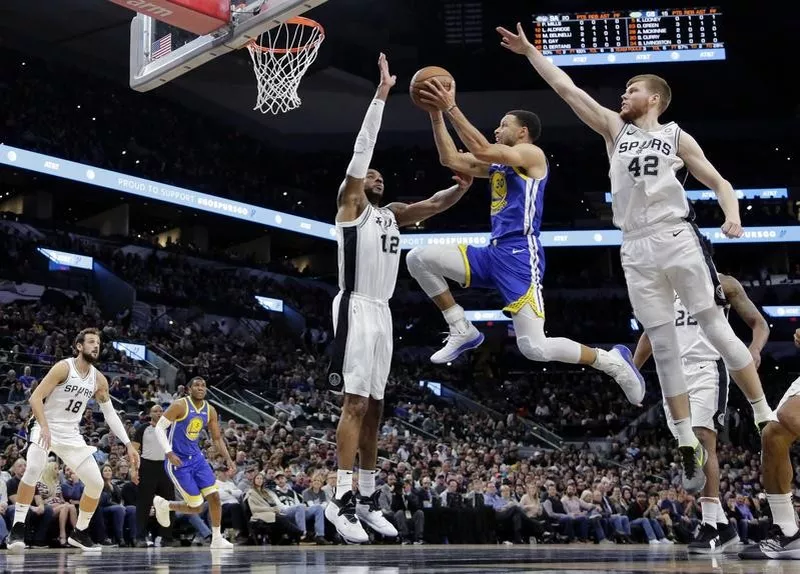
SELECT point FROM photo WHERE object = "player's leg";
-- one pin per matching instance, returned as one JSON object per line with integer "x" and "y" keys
{"x": 89, "y": 474}
{"x": 694, "y": 278}
{"x": 518, "y": 269}
{"x": 349, "y": 373}
{"x": 776, "y": 441}
{"x": 183, "y": 479}
{"x": 368, "y": 508}
{"x": 652, "y": 297}
{"x": 35, "y": 461}
{"x": 431, "y": 266}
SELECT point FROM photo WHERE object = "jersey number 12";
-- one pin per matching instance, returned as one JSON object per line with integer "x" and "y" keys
{"x": 649, "y": 165}
{"x": 391, "y": 245}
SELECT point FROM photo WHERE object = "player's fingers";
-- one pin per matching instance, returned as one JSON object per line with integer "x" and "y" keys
{"x": 520, "y": 31}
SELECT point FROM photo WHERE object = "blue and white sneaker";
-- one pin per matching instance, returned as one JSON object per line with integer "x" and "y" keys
{"x": 456, "y": 343}
{"x": 621, "y": 368}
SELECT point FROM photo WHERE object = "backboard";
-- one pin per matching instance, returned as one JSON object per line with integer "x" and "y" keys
{"x": 160, "y": 52}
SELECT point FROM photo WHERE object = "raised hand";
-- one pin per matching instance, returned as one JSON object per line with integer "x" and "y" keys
{"x": 464, "y": 180}
{"x": 517, "y": 43}
{"x": 387, "y": 79}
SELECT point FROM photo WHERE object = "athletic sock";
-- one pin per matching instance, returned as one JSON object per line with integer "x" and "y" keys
{"x": 456, "y": 319}
{"x": 761, "y": 410}
{"x": 83, "y": 520}
{"x": 783, "y": 513}
{"x": 686, "y": 437}
{"x": 710, "y": 507}
{"x": 366, "y": 482}
{"x": 21, "y": 512}
{"x": 344, "y": 483}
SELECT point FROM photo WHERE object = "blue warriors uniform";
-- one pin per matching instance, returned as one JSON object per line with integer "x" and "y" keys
{"x": 194, "y": 479}
{"x": 514, "y": 261}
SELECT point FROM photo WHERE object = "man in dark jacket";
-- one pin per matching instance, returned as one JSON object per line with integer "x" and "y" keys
{"x": 408, "y": 513}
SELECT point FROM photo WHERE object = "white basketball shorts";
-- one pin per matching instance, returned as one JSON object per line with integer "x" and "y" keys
{"x": 666, "y": 259}
{"x": 708, "y": 384}
{"x": 792, "y": 391}
{"x": 362, "y": 346}
{"x": 67, "y": 444}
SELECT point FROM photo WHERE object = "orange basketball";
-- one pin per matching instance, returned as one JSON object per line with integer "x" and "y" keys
{"x": 423, "y": 75}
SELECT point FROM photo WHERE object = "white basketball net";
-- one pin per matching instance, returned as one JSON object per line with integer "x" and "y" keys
{"x": 281, "y": 57}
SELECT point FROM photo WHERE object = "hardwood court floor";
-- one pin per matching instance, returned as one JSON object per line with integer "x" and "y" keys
{"x": 388, "y": 560}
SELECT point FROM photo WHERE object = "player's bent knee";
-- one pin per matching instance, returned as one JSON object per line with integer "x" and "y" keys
{"x": 789, "y": 419}
{"x": 34, "y": 465}
{"x": 414, "y": 261}
{"x": 196, "y": 502}
{"x": 533, "y": 350}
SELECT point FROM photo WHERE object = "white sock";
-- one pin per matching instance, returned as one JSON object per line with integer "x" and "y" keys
{"x": 366, "y": 482}
{"x": 344, "y": 482}
{"x": 710, "y": 507}
{"x": 456, "y": 319}
{"x": 783, "y": 513}
{"x": 602, "y": 362}
{"x": 685, "y": 434}
{"x": 21, "y": 512}
{"x": 216, "y": 532}
{"x": 83, "y": 520}
{"x": 761, "y": 410}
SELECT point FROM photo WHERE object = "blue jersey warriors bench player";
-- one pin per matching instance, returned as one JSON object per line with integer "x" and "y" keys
{"x": 513, "y": 261}
{"x": 185, "y": 464}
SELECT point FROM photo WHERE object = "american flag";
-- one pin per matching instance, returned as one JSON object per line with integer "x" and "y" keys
{"x": 161, "y": 47}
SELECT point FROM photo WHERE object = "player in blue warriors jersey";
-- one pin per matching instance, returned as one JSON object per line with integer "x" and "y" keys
{"x": 513, "y": 262}
{"x": 185, "y": 463}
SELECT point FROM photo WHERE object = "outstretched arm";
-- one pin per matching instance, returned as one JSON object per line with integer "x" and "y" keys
{"x": 408, "y": 214}
{"x": 524, "y": 155}
{"x": 744, "y": 307}
{"x": 352, "y": 200}
{"x": 113, "y": 421}
{"x": 449, "y": 156}
{"x": 698, "y": 165}
{"x": 602, "y": 120}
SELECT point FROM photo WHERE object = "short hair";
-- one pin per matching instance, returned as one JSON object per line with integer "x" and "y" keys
{"x": 80, "y": 338}
{"x": 194, "y": 379}
{"x": 657, "y": 85}
{"x": 528, "y": 120}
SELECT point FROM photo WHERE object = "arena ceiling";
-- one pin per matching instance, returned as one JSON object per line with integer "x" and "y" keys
{"x": 94, "y": 34}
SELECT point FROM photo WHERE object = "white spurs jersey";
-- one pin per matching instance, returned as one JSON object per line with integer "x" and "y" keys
{"x": 692, "y": 341}
{"x": 645, "y": 189}
{"x": 369, "y": 253}
{"x": 65, "y": 406}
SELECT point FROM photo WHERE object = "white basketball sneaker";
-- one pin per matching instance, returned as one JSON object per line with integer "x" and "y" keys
{"x": 457, "y": 342}
{"x": 369, "y": 512}
{"x": 220, "y": 543}
{"x": 342, "y": 514}
{"x": 619, "y": 365}
{"x": 162, "y": 511}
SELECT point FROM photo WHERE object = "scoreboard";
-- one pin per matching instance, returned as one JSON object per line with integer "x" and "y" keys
{"x": 630, "y": 36}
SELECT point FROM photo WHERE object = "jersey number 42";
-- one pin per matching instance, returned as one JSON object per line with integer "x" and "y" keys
{"x": 648, "y": 165}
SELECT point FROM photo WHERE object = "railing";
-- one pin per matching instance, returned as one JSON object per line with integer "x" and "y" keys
{"x": 241, "y": 408}
{"x": 174, "y": 360}
{"x": 254, "y": 396}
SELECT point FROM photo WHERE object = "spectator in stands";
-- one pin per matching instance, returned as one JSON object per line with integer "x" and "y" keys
{"x": 3, "y": 509}
{"x": 580, "y": 511}
{"x": 18, "y": 393}
{"x": 49, "y": 490}
{"x": 232, "y": 511}
{"x": 645, "y": 514}
{"x": 555, "y": 511}
{"x": 450, "y": 498}
{"x": 290, "y": 506}
{"x": 26, "y": 378}
{"x": 426, "y": 495}
{"x": 408, "y": 513}
{"x": 114, "y": 511}
{"x": 40, "y": 514}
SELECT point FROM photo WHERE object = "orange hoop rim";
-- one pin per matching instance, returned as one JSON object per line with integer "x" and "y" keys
{"x": 299, "y": 21}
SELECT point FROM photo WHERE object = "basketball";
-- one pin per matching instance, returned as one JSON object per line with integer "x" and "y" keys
{"x": 422, "y": 76}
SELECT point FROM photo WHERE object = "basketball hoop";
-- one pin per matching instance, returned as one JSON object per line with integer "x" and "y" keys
{"x": 281, "y": 56}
